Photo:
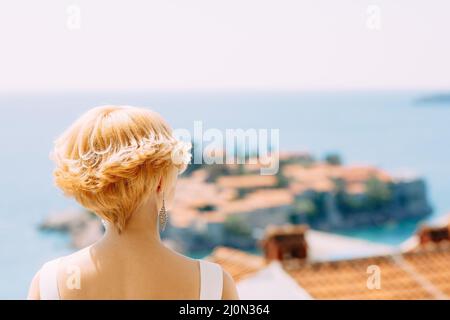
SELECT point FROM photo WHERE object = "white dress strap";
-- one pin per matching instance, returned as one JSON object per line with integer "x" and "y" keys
{"x": 211, "y": 281}
{"x": 48, "y": 281}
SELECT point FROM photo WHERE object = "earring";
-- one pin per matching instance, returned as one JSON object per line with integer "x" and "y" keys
{"x": 103, "y": 223}
{"x": 162, "y": 216}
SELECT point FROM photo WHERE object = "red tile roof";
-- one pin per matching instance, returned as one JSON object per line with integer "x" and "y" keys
{"x": 321, "y": 177}
{"x": 237, "y": 263}
{"x": 246, "y": 181}
{"x": 421, "y": 274}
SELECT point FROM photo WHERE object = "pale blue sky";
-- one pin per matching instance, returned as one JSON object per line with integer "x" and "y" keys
{"x": 232, "y": 44}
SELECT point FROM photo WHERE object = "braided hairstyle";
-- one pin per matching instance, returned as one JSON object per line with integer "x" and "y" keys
{"x": 113, "y": 156}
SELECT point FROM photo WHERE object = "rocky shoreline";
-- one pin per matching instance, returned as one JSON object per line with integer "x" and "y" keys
{"x": 83, "y": 227}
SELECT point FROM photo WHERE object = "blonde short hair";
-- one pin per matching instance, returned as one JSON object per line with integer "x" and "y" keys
{"x": 112, "y": 157}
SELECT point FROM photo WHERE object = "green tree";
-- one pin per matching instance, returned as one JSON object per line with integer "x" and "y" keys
{"x": 333, "y": 159}
{"x": 305, "y": 206}
{"x": 235, "y": 225}
{"x": 282, "y": 180}
{"x": 378, "y": 193}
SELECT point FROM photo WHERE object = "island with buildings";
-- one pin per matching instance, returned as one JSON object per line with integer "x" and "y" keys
{"x": 275, "y": 234}
{"x": 231, "y": 205}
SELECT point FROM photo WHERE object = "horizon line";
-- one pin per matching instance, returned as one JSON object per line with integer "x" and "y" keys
{"x": 221, "y": 91}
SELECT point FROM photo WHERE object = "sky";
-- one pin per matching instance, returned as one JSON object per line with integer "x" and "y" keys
{"x": 77, "y": 45}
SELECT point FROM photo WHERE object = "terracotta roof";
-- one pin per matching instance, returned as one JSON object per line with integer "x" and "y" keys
{"x": 276, "y": 230}
{"x": 321, "y": 176}
{"x": 356, "y": 188}
{"x": 348, "y": 280}
{"x": 422, "y": 274}
{"x": 254, "y": 164}
{"x": 362, "y": 173}
{"x": 433, "y": 262}
{"x": 182, "y": 217}
{"x": 260, "y": 199}
{"x": 288, "y": 155}
{"x": 257, "y": 200}
{"x": 193, "y": 193}
{"x": 236, "y": 262}
{"x": 247, "y": 181}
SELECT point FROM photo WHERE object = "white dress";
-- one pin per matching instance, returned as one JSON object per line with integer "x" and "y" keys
{"x": 211, "y": 281}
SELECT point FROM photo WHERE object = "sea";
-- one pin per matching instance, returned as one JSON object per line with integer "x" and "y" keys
{"x": 396, "y": 131}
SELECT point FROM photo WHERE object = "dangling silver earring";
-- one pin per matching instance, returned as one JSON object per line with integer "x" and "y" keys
{"x": 103, "y": 223}
{"x": 162, "y": 216}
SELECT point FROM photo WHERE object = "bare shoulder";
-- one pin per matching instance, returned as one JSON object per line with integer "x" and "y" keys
{"x": 33, "y": 291}
{"x": 63, "y": 263}
{"x": 182, "y": 260}
{"x": 229, "y": 287}
{"x": 78, "y": 258}
{"x": 74, "y": 270}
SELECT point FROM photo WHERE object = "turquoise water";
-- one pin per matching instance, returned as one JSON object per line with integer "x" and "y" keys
{"x": 386, "y": 129}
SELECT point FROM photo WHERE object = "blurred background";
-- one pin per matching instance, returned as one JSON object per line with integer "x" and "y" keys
{"x": 358, "y": 90}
